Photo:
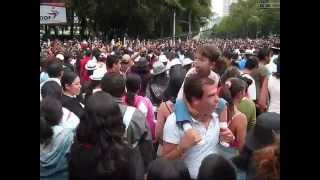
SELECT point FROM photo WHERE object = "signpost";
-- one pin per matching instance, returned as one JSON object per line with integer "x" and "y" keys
{"x": 52, "y": 13}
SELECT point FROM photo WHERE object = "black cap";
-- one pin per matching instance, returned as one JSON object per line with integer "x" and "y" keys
{"x": 262, "y": 134}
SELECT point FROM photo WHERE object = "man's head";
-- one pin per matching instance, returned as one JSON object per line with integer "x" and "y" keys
{"x": 264, "y": 55}
{"x": 113, "y": 64}
{"x": 55, "y": 69}
{"x": 201, "y": 93}
{"x": 251, "y": 63}
{"x": 114, "y": 84}
{"x": 205, "y": 59}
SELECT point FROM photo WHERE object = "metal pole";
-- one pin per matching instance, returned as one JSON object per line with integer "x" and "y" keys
{"x": 174, "y": 26}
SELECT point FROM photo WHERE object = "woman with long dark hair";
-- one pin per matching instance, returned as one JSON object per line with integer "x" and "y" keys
{"x": 133, "y": 85}
{"x": 55, "y": 140}
{"x": 100, "y": 151}
{"x": 233, "y": 90}
{"x": 177, "y": 74}
{"x": 141, "y": 67}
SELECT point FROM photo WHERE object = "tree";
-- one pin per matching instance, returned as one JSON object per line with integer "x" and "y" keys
{"x": 247, "y": 19}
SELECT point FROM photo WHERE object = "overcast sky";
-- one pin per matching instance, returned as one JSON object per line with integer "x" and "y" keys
{"x": 217, "y": 6}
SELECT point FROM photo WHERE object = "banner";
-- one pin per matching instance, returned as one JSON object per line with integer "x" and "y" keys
{"x": 52, "y": 13}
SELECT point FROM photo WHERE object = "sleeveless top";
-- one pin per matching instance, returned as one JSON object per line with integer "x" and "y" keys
{"x": 235, "y": 143}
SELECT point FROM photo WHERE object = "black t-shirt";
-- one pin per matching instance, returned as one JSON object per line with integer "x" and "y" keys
{"x": 73, "y": 105}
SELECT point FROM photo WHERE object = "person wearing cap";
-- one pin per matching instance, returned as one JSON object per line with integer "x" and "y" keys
{"x": 94, "y": 85}
{"x": 187, "y": 63}
{"x": 83, "y": 72}
{"x": 158, "y": 83}
{"x": 265, "y": 132}
{"x": 173, "y": 62}
{"x": 163, "y": 58}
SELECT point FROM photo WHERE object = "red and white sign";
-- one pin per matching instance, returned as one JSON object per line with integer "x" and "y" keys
{"x": 52, "y": 13}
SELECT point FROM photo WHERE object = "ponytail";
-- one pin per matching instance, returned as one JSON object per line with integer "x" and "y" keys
{"x": 230, "y": 90}
{"x": 51, "y": 114}
{"x": 130, "y": 98}
{"x": 46, "y": 131}
{"x": 225, "y": 93}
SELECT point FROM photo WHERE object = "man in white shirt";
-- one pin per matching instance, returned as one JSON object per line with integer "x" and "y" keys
{"x": 201, "y": 94}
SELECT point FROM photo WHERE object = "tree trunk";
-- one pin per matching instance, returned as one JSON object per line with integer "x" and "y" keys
{"x": 189, "y": 22}
{"x": 161, "y": 30}
{"x": 72, "y": 22}
{"x": 82, "y": 27}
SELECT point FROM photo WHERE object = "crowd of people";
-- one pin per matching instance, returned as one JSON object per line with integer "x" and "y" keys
{"x": 156, "y": 110}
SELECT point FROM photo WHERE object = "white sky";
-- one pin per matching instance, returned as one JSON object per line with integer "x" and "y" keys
{"x": 217, "y": 6}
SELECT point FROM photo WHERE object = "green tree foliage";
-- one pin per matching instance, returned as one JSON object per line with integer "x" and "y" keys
{"x": 145, "y": 18}
{"x": 247, "y": 19}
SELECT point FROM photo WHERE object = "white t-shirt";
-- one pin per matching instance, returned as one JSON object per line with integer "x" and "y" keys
{"x": 69, "y": 119}
{"x": 252, "y": 91}
{"x": 214, "y": 76}
{"x": 194, "y": 156}
{"x": 272, "y": 67}
{"x": 274, "y": 90}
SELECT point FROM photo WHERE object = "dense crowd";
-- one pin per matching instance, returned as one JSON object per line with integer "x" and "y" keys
{"x": 139, "y": 109}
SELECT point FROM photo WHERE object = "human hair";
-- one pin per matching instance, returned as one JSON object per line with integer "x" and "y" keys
{"x": 54, "y": 68}
{"x": 133, "y": 84}
{"x": 215, "y": 166}
{"x": 102, "y": 127}
{"x": 209, "y": 51}
{"x": 51, "y": 88}
{"x": 220, "y": 66}
{"x": 44, "y": 63}
{"x": 251, "y": 63}
{"x": 50, "y": 115}
{"x": 176, "y": 77}
{"x": 68, "y": 78}
{"x": 46, "y": 131}
{"x": 263, "y": 53}
{"x": 266, "y": 163}
{"x": 89, "y": 90}
{"x": 230, "y": 72}
{"x": 112, "y": 59}
{"x": 228, "y": 54}
{"x": 114, "y": 84}
{"x": 164, "y": 169}
{"x": 193, "y": 86}
{"x": 247, "y": 81}
{"x": 229, "y": 90}
{"x": 96, "y": 53}
{"x": 143, "y": 70}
